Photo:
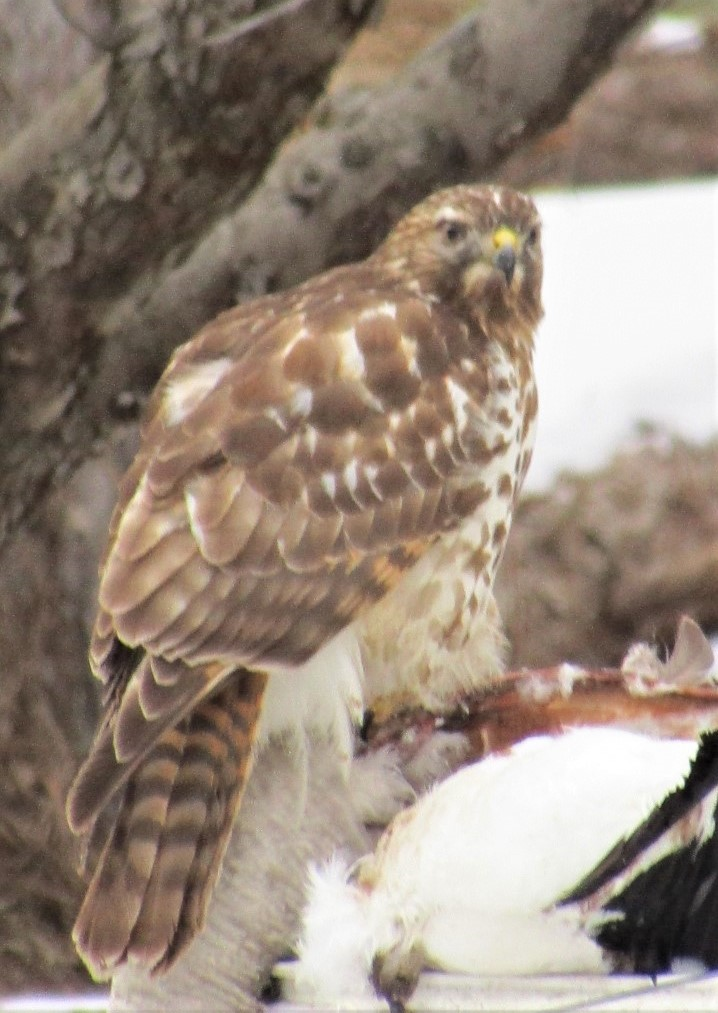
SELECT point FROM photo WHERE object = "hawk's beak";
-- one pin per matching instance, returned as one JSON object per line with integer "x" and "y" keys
{"x": 505, "y": 243}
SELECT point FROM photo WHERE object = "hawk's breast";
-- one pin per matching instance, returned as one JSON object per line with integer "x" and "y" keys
{"x": 438, "y": 632}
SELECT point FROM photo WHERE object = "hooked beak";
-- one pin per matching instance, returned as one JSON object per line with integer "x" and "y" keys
{"x": 505, "y": 260}
{"x": 505, "y": 243}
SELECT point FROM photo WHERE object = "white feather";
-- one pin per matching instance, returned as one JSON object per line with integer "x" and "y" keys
{"x": 353, "y": 363}
{"x": 510, "y": 942}
{"x": 337, "y": 944}
{"x": 185, "y": 392}
{"x": 324, "y": 694}
{"x": 526, "y": 825}
{"x": 469, "y": 876}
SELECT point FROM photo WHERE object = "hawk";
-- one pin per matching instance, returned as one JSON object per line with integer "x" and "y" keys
{"x": 322, "y": 493}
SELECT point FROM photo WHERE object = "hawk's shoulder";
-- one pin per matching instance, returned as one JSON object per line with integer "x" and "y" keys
{"x": 334, "y": 359}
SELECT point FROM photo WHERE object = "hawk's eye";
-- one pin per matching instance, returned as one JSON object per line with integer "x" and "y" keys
{"x": 454, "y": 232}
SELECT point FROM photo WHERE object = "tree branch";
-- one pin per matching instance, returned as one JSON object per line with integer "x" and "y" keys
{"x": 75, "y": 359}
{"x": 160, "y": 138}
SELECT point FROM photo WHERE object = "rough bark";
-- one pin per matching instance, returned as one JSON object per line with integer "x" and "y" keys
{"x": 159, "y": 139}
{"x": 102, "y": 267}
{"x": 41, "y": 56}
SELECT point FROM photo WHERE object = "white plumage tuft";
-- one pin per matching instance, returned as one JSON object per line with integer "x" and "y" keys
{"x": 335, "y": 952}
{"x": 326, "y": 694}
{"x": 184, "y": 392}
{"x": 469, "y": 877}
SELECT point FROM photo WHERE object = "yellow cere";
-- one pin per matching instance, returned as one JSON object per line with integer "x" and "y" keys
{"x": 504, "y": 236}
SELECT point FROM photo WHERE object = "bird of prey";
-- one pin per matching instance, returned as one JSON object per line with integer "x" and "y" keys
{"x": 314, "y": 519}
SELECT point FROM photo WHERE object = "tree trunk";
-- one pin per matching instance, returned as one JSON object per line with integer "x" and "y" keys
{"x": 121, "y": 216}
{"x": 113, "y": 186}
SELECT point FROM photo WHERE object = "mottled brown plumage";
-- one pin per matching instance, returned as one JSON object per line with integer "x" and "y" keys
{"x": 321, "y": 497}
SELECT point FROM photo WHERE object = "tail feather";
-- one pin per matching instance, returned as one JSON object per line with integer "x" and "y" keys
{"x": 150, "y": 889}
{"x": 239, "y": 712}
{"x": 149, "y": 706}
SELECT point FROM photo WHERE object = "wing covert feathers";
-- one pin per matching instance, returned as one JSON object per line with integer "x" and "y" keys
{"x": 150, "y": 888}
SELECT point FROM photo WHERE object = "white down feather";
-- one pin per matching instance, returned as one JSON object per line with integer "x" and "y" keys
{"x": 469, "y": 875}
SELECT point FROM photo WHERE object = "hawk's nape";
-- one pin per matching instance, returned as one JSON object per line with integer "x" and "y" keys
{"x": 323, "y": 490}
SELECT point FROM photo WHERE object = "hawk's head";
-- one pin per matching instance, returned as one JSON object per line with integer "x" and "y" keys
{"x": 480, "y": 245}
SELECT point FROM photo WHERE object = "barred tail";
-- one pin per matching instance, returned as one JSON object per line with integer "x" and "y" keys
{"x": 151, "y": 885}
